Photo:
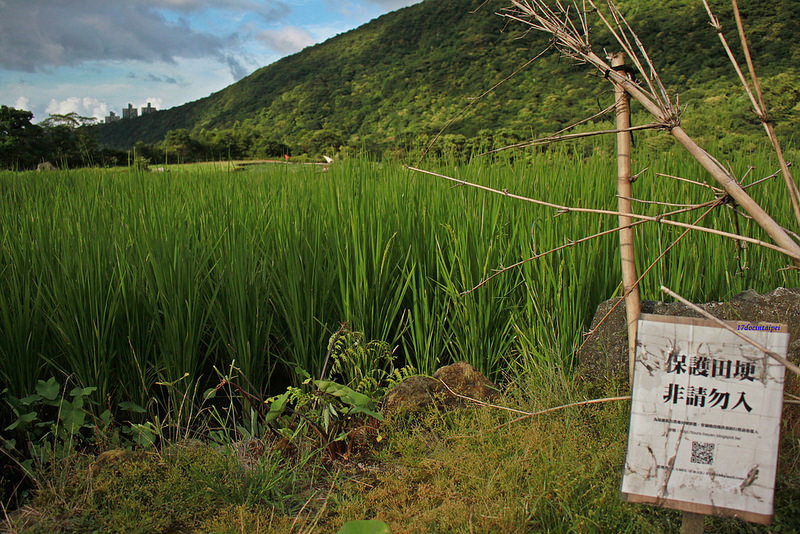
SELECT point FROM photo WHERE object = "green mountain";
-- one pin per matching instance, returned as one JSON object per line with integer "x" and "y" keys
{"x": 397, "y": 80}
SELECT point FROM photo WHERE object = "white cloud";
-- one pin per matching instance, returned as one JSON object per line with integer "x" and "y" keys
{"x": 23, "y": 102}
{"x": 154, "y": 101}
{"x": 286, "y": 40}
{"x": 40, "y": 34}
{"x": 86, "y": 107}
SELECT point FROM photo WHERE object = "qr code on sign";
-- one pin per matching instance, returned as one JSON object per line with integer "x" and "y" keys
{"x": 702, "y": 453}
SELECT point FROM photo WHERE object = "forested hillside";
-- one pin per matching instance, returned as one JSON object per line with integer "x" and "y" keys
{"x": 394, "y": 82}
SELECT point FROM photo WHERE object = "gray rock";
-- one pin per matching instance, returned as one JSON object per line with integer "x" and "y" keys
{"x": 604, "y": 355}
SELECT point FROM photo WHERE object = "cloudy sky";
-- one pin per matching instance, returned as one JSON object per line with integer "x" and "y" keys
{"x": 94, "y": 56}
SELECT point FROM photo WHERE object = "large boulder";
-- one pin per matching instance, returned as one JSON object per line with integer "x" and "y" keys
{"x": 420, "y": 392}
{"x": 604, "y": 355}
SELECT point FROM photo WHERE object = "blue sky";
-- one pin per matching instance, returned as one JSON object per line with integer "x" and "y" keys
{"x": 95, "y": 56}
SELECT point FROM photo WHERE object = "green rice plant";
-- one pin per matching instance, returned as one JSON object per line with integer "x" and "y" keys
{"x": 301, "y": 287}
{"x": 23, "y": 332}
{"x": 125, "y": 278}
{"x": 177, "y": 270}
{"x": 242, "y": 315}
{"x": 427, "y": 336}
{"x": 371, "y": 269}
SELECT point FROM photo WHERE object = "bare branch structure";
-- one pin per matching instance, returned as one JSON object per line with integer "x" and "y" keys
{"x": 562, "y": 23}
{"x": 757, "y": 100}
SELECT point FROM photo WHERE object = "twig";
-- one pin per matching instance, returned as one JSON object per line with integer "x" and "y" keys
{"x": 312, "y": 527}
{"x": 617, "y": 17}
{"x": 570, "y": 405}
{"x": 773, "y": 175}
{"x": 480, "y": 402}
{"x": 718, "y": 28}
{"x": 302, "y": 509}
{"x": 716, "y": 190}
{"x": 556, "y": 138}
{"x": 786, "y": 363}
{"x": 478, "y": 98}
{"x": 759, "y": 107}
{"x": 526, "y": 414}
{"x": 587, "y": 119}
{"x": 569, "y": 209}
{"x": 498, "y": 272}
{"x": 565, "y": 129}
{"x": 641, "y": 277}
{"x": 657, "y": 203}
{"x": 578, "y": 241}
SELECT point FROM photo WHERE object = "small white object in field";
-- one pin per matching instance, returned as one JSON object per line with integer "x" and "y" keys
{"x": 327, "y": 159}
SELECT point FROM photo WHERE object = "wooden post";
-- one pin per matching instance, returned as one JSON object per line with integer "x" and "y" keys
{"x": 626, "y": 250}
{"x": 692, "y": 523}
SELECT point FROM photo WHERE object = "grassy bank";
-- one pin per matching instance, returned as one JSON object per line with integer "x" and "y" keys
{"x": 472, "y": 470}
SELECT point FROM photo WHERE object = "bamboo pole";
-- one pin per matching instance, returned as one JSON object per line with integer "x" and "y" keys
{"x": 633, "y": 303}
{"x": 761, "y": 110}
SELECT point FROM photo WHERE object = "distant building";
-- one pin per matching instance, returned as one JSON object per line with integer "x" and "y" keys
{"x": 148, "y": 110}
{"x": 130, "y": 112}
{"x": 113, "y": 117}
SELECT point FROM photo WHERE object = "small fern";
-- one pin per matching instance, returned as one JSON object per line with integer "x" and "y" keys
{"x": 365, "y": 366}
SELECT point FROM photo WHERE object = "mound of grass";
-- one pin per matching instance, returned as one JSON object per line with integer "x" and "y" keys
{"x": 187, "y": 487}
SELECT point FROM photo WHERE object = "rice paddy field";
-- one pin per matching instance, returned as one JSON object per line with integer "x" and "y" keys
{"x": 126, "y": 280}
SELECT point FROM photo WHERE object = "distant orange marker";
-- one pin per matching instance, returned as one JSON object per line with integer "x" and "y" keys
{"x": 286, "y": 157}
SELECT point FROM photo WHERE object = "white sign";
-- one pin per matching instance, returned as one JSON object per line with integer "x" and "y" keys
{"x": 705, "y": 417}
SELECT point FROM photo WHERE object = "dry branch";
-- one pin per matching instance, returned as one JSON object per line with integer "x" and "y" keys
{"x": 659, "y": 203}
{"x": 526, "y": 414}
{"x": 786, "y": 363}
{"x": 556, "y": 138}
{"x": 503, "y": 270}
{"x": 714, "y": 204}
{"x": 479, "y": 97}
{"x": 571, "y": 209}
{"x": 759, "y": 107}
{"x": 561, "y": 131}
{"x": 572, "y": 243}
{"x": 570, "y": 405}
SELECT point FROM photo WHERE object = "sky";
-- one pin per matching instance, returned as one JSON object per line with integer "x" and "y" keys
{"x": 96, "y": 56}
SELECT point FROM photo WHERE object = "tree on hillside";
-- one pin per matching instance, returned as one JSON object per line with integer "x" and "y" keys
{"x": 20, "y": 141}
{"x": 70, "y": 120}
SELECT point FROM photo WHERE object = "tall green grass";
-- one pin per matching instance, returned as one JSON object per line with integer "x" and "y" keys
{"x": 123, "y": 279}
